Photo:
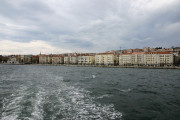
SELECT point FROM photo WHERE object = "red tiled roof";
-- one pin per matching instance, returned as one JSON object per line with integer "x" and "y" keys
{"x": 126, "y": 54}
{"x": 138, "y": 52}
{"x": 56, "y": 55}
{"x": 104, "y": 53}
{"x": 157, "y": 53}
{"x": 146, "y": 53}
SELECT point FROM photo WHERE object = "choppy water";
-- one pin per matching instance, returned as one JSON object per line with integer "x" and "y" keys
{"x": 87, "y": 93}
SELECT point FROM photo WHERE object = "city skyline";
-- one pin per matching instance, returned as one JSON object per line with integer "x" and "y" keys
{"x": 118, "y": 51}
{"x": 28, "y": 27}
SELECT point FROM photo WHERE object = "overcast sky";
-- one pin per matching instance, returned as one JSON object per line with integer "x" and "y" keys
{"x": 61, "y": 26}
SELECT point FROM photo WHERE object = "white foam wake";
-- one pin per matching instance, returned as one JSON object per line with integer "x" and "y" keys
{"x": 38, "y": 103}
{"x": 11, "y": 105}
{"x": 127, "y": 90}
{"x": 77, "y": 104}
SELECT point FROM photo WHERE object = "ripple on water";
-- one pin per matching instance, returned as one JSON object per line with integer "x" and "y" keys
{"x": 62, "y": 102}
{"x": 75, "y": 103}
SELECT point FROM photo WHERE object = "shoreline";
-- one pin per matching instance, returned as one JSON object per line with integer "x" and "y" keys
{"x": 104, "y": 66}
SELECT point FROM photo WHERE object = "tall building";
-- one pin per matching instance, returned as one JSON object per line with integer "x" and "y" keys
{"x": 57, "y": 59}
{"x": 74, "y": 59}
{"x": 146, "y": 59}
{"x": 66, "y": 59}
{"x": 43, "y": 59}
{"x": 106, "y": 59}
{"x": 86, "y": 59}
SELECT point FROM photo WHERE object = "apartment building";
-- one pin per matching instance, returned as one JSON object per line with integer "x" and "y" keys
{"x": 49, "y": 59}
{"x": 12, "y": 60}
{"x": 106, "y": 59}
{"x": 86, "y": 59}
{"x": 125, "y": 59}
{"x": 146, "y": 59}
{"x": 66, "y": 59}
{"x": 73, "y": 59}
{"x": 43, "y": 59}
{"x": 165, "y": 59}
{"x": 57, "y": 59}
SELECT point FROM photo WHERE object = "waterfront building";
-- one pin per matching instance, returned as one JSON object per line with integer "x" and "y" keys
{"x": 66, "y": 59}
{"x": 49, "y": 59}
{"x": 165, "y": 59}
{"x": 146, "y": 59}
{"x": 57, "y": 59}
{"x": 86, "y": 59}
{"x": 73, "y": 59}
{"x": 43, "y": 59}
{"x": 27, "y": 59}
{"x": 22, "y": 59}
{"x": 159, "y": 59}
{"x": 125, "y": 59}
{"x": 12, "y": 60}
{"x": 35, "y": 59}
{"x": 128, "y": 59}
{"x": 137, "y": 58}
{"x": 106, "y": 59}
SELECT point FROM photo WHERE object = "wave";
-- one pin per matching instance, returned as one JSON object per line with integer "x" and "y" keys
{"x": 103, "y": 96}
{"x": 12, "y": 105}
{"x": 38, "y": 103}
{"x": 126, "y": 90}
{"x": 61, "y": 102}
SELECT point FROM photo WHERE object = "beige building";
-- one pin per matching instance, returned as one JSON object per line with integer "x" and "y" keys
{"x": 49, "y": 59}
{"x": 146, "y": 59}
{"x": 160, "y": 58}
{"x": 125, "y": 59}
{"x": 106, "y": 59}
{"x": 25, "y": 59}
{"x": 66, "y": 59}
{"x": 73, "y": 59}
{"x": 137, "y": 58}
{"x": 57, "y": 59}
{"x": 86, "y": 59}
{"x": 12, "y": 60}
{"x": 43, "y": 59}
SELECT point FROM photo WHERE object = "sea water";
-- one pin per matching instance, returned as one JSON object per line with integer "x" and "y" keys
{"x": 37, "y": 92}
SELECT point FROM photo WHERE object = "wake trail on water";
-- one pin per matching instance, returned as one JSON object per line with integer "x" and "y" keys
{"x": 12, "y": 105}
{"x": 54, "y": 99}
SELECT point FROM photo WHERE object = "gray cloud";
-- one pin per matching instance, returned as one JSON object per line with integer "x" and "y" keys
{"x": 92, "y": 25}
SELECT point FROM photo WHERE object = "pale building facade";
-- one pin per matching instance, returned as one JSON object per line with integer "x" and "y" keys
{"x": 86, "y": 59}
{"x": 49, "y": 59}
{"x": 73, "y": 59}
{"x": 57, "y": 59}
{"x": 146, "y": 59}
{"x": 125, "y": 59}
{"x": 66, "y": 59}
{"x": 105, "y": 59}
{"x": 43, "y": 59}
{"x": 166, "y": 58}
{"x": 137, "y": 58}
{"x": 12, "y": 60}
